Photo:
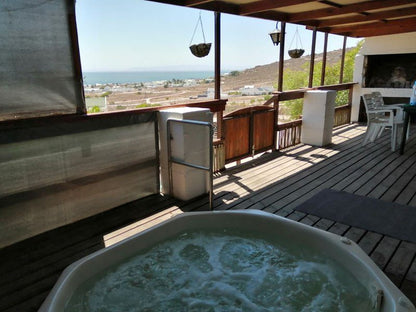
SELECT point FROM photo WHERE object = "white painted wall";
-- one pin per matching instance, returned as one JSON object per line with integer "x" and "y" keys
{"x": 391, "y": 44}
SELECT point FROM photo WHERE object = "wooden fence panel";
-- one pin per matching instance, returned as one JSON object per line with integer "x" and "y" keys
{"x": 263, "y": 127}
{"x": 237, "y": 137}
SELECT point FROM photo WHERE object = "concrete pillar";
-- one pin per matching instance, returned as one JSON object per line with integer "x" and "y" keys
{"x": 318, "y": 117}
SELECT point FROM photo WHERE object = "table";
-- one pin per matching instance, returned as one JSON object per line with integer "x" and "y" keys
{"x": 408, "y": 110}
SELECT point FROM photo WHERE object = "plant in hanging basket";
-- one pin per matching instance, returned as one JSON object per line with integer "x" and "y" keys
{"x": 296, "y": 53}
{"x": 201, "y": 49}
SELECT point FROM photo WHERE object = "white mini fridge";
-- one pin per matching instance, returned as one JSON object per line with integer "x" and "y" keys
{"x": 190, "y": 144}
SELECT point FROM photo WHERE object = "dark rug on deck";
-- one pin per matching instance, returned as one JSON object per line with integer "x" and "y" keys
{"x": 375, "y": 215}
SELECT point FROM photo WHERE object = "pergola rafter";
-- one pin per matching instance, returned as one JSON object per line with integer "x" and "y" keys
{"x": 329, "y": 16}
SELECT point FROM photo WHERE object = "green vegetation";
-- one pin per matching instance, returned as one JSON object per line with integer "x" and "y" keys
{"x": 293, "y": 80}
{"x": 94, "y": 109}
{"x": 107, "y": 93}
{"x": 143, "y": 105}
{"x": 234, "y": 73}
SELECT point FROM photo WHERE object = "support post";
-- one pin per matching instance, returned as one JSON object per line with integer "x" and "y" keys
{"x": 276, "y": 122}
{"x": 217, "y": 90}
{"x": 281, "y": 56}
{"x": 324, "y": 60}
{"x": 341, "y": 73}
{"x": 312, "y": 64}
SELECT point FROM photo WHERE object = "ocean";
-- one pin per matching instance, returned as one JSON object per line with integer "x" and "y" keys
{"x": 91, "y": 78}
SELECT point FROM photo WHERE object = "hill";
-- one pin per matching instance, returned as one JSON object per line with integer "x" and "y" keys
{"x": 263, "y": 75}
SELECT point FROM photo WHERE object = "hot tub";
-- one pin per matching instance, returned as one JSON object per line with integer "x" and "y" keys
{"x": 250, "y": 227}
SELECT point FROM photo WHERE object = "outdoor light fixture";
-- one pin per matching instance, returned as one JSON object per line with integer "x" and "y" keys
{"x": 275, "y": 35}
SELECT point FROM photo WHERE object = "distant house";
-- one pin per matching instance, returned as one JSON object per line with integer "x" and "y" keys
{"x": 253, "y": 91}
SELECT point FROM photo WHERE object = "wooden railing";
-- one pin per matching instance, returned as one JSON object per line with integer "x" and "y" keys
{"x": 284, "y": 135}
{"x": 219, "y": 155}
{"x": 342, "y": 115}
{"x": 288, "y": 134}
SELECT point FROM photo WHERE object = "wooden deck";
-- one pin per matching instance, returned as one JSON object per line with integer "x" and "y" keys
{"x": 275, "y": 182}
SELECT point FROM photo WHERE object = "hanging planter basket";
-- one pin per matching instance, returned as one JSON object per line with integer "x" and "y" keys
{"x": 201, "y": 49}
{"x": 296, "y": 53}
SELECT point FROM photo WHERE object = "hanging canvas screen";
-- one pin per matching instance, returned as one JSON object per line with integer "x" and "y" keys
{"x": 37, "y": 72}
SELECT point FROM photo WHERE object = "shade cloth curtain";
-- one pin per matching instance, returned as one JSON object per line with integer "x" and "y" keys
{"x": 58, "y": 172}
{"x": 37, "y": 72}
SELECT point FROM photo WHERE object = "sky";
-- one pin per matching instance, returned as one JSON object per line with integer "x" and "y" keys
{"x": 138, "y": 35}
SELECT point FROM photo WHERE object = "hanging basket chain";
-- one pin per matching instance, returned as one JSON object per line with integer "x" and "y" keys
{"x": 199, "y": 22}
{"x": 297, "y": 39}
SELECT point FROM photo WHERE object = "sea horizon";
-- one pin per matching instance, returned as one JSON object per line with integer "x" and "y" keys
{"x": 123, "y": 77}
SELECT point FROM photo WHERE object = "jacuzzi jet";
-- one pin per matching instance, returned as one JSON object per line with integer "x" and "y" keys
{"x": 379, "y": 300}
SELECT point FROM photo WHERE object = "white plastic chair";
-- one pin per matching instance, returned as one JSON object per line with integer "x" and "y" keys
{"x": 378, "y": 118}
{"x": 398, "y": 108}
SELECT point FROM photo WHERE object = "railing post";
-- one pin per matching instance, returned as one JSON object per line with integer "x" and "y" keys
{"x": 276, "y": 120}
{"x": 350, "y": 93}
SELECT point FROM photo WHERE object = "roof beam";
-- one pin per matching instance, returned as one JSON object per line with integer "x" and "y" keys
{"x": 352, "y": 8}
{"x": 375, "y": 29}
{"x": 210, "y": 5}
{"x": 192, "y": 3}
{"x": 365, "y": 17}
{"x": 214, "y": 5}
{"x": 266, "y": 5}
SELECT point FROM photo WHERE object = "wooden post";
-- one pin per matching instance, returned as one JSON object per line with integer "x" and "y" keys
{"x": 276, "y": 121}
{"x": 281, "y": 56}
{"x": 217, "y": 88}
{"x": 324, "y": 60}
{"x": 341, "y": 73}
{"x": 312, "y": 64}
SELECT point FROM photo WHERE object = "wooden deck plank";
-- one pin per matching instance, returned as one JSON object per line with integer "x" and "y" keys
{"x": 339, "y": 228}
{"x": 396, "y": 189}
{"x": 409, "y": 284}
{"x": 303, "y": 162}
{"x": 384, "y": 178}
{"x": 384, "y": 251}
{"x": 324, "y": 224}
{"x": 354, "y": 234}
{"x": 288, "y": 190}
{"x": 326, "y": 178}
{"x": 400, "y": 263}
{"x": 369, "y": 241}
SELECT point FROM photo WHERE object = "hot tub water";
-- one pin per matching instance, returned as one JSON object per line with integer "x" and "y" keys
{"x": 228, "y": 271}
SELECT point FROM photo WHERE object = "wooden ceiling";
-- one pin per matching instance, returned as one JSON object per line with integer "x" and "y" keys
{"x": 353, "y": 18}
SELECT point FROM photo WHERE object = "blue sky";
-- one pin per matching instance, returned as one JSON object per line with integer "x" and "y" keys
{"x": 134, "y": 35}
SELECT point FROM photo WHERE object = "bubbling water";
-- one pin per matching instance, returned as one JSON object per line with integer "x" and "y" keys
{"x": 204, "y": 271}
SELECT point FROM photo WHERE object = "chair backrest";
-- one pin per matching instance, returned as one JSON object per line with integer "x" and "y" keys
{"x": 369, "y": 102}
{"x": 378, "y": 99}
{"x": 371, "y": 106}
